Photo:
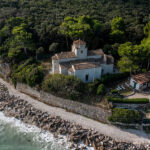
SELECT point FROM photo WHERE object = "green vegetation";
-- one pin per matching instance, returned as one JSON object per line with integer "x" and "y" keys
{"x": 29, "y": 73}
{"x": 66, "y": 86}
{"x": 81, "y": 27}
{"x": 114, "y": 91}
{"x": 117, "y": 33}
{"x": 101, "y": 89}
{"x": 36, "y": 30}
{"x": 16, "y": 42}
{"x": 146, "y": 129}
{"x": 108, "y": 79}
{"x": 135, "y": 57}
{"x": 45, "y": 20}
{"x": 129, "y": 101}
{"x": 124, "y": 116}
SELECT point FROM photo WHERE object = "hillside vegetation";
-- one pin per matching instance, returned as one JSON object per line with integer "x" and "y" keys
{"x": 44, "y": 17}
{"x": 37, "y": 29}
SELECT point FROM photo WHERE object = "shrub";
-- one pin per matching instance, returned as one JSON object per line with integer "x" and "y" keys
{"x": 114, "y": 91}
{"x": 61, "y": 85}
{"x": 92, "y": 87}
{"x": 130, "y": 101}
{"x": 31, "y": 74}
{"x": 109, "y": 78}
{"x": 101, "y": 90}
{"x": 53, "y": 47}
{"x": 146, "y": 129}
{"x": 124, "y": 116}
{"x": 146, "y": 121}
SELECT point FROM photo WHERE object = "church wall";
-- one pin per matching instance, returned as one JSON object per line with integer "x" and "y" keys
{"x": 107, "y": 68}
{"x": 55, "y": 66}
{"x": 93, "y": 73}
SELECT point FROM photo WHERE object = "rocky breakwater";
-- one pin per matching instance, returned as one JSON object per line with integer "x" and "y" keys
{"x": 22, "y": 110}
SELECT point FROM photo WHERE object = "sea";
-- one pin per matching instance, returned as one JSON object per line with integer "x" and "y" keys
{"x": 16, "y": 135}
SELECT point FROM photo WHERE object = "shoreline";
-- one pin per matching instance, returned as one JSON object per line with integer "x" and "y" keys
{"x": 44, "y": 139}
{"x": 57, "y": 125}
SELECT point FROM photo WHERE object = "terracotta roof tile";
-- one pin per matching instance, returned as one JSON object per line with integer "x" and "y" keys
{"x": 64, "y": 55}
{"x": 95, "y": 52}
{"x": 142, "y": 78}
{"x": 99, "y": 61}
{"x": 80, "y": 42}
{"x": 86, "y": 65}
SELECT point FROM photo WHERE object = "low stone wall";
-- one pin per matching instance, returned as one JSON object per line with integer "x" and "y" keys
{"x": 124, "y": 125}
{"x": 76, "y": 107}
{"x": 4, "y": 70}
{"x": 24, "y": 88}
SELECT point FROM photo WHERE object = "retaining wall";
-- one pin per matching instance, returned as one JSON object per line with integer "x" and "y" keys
{"x": 76, "y": 107}
{"x": 4, "y": 70}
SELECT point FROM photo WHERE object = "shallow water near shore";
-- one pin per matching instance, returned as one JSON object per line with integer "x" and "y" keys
{"x": 15, "y": 135}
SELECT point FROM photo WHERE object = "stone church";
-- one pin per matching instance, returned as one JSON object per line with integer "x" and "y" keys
{"x": 85, "y": 65}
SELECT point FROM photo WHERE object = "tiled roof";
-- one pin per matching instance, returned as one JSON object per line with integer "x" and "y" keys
{"x": 95, "y": 52}
{"x": 64, "y": 55}
{"x": 68, "y": 65}
{"x": 99, "y": 61}
{"x": 142, "y": 78}
{"x": 80, "y": 42}
{"x": 86, "y": 65}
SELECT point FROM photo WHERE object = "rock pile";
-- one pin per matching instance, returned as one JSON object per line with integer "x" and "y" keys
{"x": 25, "y": 112}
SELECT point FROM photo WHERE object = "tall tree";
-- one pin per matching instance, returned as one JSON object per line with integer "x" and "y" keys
{"x": 80, "y": 27}
{"x": 23, "y": 37}
{"x": 146, "y": 43}
{"x": 137, "y": 57}
{"x": 117, "y": 30}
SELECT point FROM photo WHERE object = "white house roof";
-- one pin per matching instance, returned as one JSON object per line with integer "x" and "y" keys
{"x": 142, "y": 78}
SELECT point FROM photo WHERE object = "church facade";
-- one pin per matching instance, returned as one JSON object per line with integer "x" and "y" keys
{"x": 85, "y": 65}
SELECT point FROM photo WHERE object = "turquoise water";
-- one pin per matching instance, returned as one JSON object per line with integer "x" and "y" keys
{"x": 15, "y": 135}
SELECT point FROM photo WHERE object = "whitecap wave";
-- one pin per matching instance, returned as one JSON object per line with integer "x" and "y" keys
{"x": 40, "y": 136}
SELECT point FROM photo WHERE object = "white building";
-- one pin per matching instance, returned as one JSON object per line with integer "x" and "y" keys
{"x": 85, "y": 65}
{"x": 140, "y": 81}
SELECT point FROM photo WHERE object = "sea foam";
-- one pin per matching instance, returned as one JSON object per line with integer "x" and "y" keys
{"x": 39, "y": 135}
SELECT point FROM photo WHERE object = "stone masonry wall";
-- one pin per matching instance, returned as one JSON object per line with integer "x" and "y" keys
{"x": 24, "y": 88}
{"x": 76, "y": 107}
{"x": 4, "y": 70}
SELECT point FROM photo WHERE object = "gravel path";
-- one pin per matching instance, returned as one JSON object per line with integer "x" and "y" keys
{"x": 126, "y": 135}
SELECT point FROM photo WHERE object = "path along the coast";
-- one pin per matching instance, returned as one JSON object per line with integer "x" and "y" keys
{"x": 126, "y": 135}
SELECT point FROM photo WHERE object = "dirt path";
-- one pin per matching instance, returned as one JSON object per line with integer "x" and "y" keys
{"x": 128, "y": 135}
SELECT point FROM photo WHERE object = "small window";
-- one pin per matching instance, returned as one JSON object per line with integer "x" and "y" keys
{"x": 87, "y": 77}
{"x": 81, "y": 52}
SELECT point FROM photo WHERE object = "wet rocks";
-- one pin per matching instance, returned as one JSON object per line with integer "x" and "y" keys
{"x": 22, "y": 110}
